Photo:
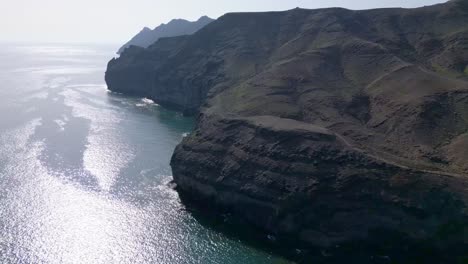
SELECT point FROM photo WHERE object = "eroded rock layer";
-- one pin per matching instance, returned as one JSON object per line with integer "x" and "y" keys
{"x": 329, "y": 126}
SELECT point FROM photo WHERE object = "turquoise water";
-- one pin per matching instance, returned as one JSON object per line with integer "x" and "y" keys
{"x": 84, "y": 173}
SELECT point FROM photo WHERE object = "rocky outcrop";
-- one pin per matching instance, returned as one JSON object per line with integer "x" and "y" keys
{"x": 175, "y": 27}
{"x": 306, "y": 183}
{"x": 327, "y": 126}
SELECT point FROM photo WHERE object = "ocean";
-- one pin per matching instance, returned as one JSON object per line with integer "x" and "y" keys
{"x": 84, "y": 173}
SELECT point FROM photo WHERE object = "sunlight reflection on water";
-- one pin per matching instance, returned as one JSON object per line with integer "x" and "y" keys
{"x": 84, "y": 173}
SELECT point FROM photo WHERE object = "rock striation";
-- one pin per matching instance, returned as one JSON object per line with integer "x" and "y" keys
{"x": 329, "y": 127}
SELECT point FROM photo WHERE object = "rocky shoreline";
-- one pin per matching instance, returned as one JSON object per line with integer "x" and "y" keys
{"x": 329, "y": 127}
{"x": 341, "y": 197}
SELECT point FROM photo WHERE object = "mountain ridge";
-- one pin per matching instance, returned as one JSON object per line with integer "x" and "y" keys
{"x": 389, "y": 86}
{"x": 173, "y": 28}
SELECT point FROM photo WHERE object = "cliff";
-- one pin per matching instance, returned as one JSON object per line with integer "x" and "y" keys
{"x": 331, "y": 126}
{"x": 175, "y": 27}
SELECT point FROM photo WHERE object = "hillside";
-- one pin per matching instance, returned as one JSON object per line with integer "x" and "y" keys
{"x": 326, "y": 126}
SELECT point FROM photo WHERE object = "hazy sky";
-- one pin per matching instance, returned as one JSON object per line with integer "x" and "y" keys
{"x": 115, "y": 21}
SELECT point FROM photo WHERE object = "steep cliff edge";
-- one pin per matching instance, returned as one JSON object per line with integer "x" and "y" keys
{"x": 328, "y": 126}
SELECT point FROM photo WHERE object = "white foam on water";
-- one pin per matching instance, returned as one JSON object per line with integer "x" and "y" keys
{"x": 146, "y": 102}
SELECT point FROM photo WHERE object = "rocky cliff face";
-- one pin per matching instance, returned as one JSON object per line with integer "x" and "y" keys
{"x": 326, "y": 126}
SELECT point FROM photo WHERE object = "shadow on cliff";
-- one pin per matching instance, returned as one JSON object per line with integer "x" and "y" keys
{"x": 391, "y": 248}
